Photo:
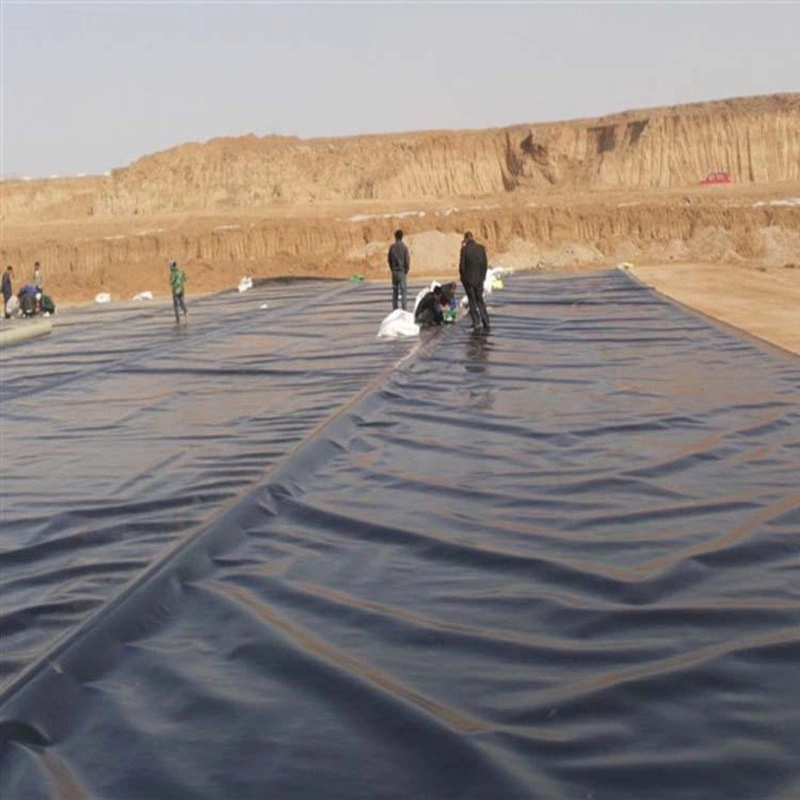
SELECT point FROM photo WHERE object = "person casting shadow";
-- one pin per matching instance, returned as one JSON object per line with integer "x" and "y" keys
{"x": 472, "y": 267}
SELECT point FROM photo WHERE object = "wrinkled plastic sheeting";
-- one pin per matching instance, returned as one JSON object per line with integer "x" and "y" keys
{"x": 122, "y": 433}
{"x": 556, "y": 561}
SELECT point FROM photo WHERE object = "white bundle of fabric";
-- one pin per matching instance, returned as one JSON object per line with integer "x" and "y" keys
{"x": 493, "y": 280}
{"x": 398, "y": 324}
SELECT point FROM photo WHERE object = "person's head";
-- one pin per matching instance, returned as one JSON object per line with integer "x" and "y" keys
{"x": 398, "y": 235}
{"x": 36, "y": 265}
{"x": 9, "y": 268}
{"x": 173, "y": 264}
{"x": 439, "y": 295}
{"x": 468, "y": 237}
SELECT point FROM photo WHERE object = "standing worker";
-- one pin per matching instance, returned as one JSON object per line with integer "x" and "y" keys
{"x": 399, "y": 263}
{"x": 472, "y": 268}
{"x": 8, "y": 291}
{"x": 38, "y": 278}
{"x": 177, "y": 282}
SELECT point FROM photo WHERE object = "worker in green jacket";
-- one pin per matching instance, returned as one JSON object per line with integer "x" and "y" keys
{"x": 177, "y": 282}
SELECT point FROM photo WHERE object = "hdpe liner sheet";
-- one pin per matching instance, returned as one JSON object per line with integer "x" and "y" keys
{"x": 118, "y": 438}
{"x": 557, "y": 561}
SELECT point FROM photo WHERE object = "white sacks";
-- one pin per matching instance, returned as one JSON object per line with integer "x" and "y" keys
{"x": 397, "y": 325}
{"x": 143, "y": 296}
{"x": 493, "y": 280}
{"x": 245, "y": 284}
{"x": 103, "y": 297}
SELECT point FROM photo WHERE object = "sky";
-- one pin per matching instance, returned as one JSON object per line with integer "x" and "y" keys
{"x": 86, "y": 87}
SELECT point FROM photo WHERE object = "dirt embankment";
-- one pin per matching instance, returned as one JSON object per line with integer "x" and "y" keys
{"x": 586, "y": 192}
{"x": 764, "y": 302}
{"x": 218, "y": 251}
{"x": 756, "y": 140}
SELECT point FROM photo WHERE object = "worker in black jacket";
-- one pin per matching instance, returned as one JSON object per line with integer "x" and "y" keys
{"x": 472, "y": 268}
{"x": 431, "y": 308}
{"x": 399, "y": 263}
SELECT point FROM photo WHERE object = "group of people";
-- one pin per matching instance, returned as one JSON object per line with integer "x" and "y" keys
{"x": 437, "y": 306}
{"x": 30, "y": 300}
{"x": 432, "y": 308}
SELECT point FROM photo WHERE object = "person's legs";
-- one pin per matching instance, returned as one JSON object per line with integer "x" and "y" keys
{"x": 404, "y": 291}
{"x": 183, "y": 305}
{"x": 481, "y": 304}
{"x": 175, "y": 301}
{"x": 425, "y": 318}
{"x": 395, "y": 291}
{"x": 474, "y": 315}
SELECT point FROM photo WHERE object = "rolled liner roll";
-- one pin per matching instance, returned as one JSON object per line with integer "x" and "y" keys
{"x": 28, "y": 329}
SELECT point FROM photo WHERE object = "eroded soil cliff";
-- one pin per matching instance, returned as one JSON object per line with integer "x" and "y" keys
{"x": 583, "y": 192}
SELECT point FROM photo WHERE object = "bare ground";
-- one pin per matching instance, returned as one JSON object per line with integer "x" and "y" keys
{"x": 719, "y": 260}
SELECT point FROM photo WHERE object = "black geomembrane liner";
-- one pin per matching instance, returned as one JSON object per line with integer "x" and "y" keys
{"x": 270, "y": 555}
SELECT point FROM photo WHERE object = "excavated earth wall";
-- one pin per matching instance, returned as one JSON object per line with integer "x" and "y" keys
{"x": 623, "y": 186}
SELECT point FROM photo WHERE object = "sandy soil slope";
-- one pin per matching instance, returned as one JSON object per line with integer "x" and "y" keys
{"x": 764, "y": 302}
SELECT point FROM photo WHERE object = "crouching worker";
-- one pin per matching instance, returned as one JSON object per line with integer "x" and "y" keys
{"x": 29, "y": 300}
{"x": 431, "y": 309}
{"x": 47, "y": 306}
{"x": 449, "y": 298}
